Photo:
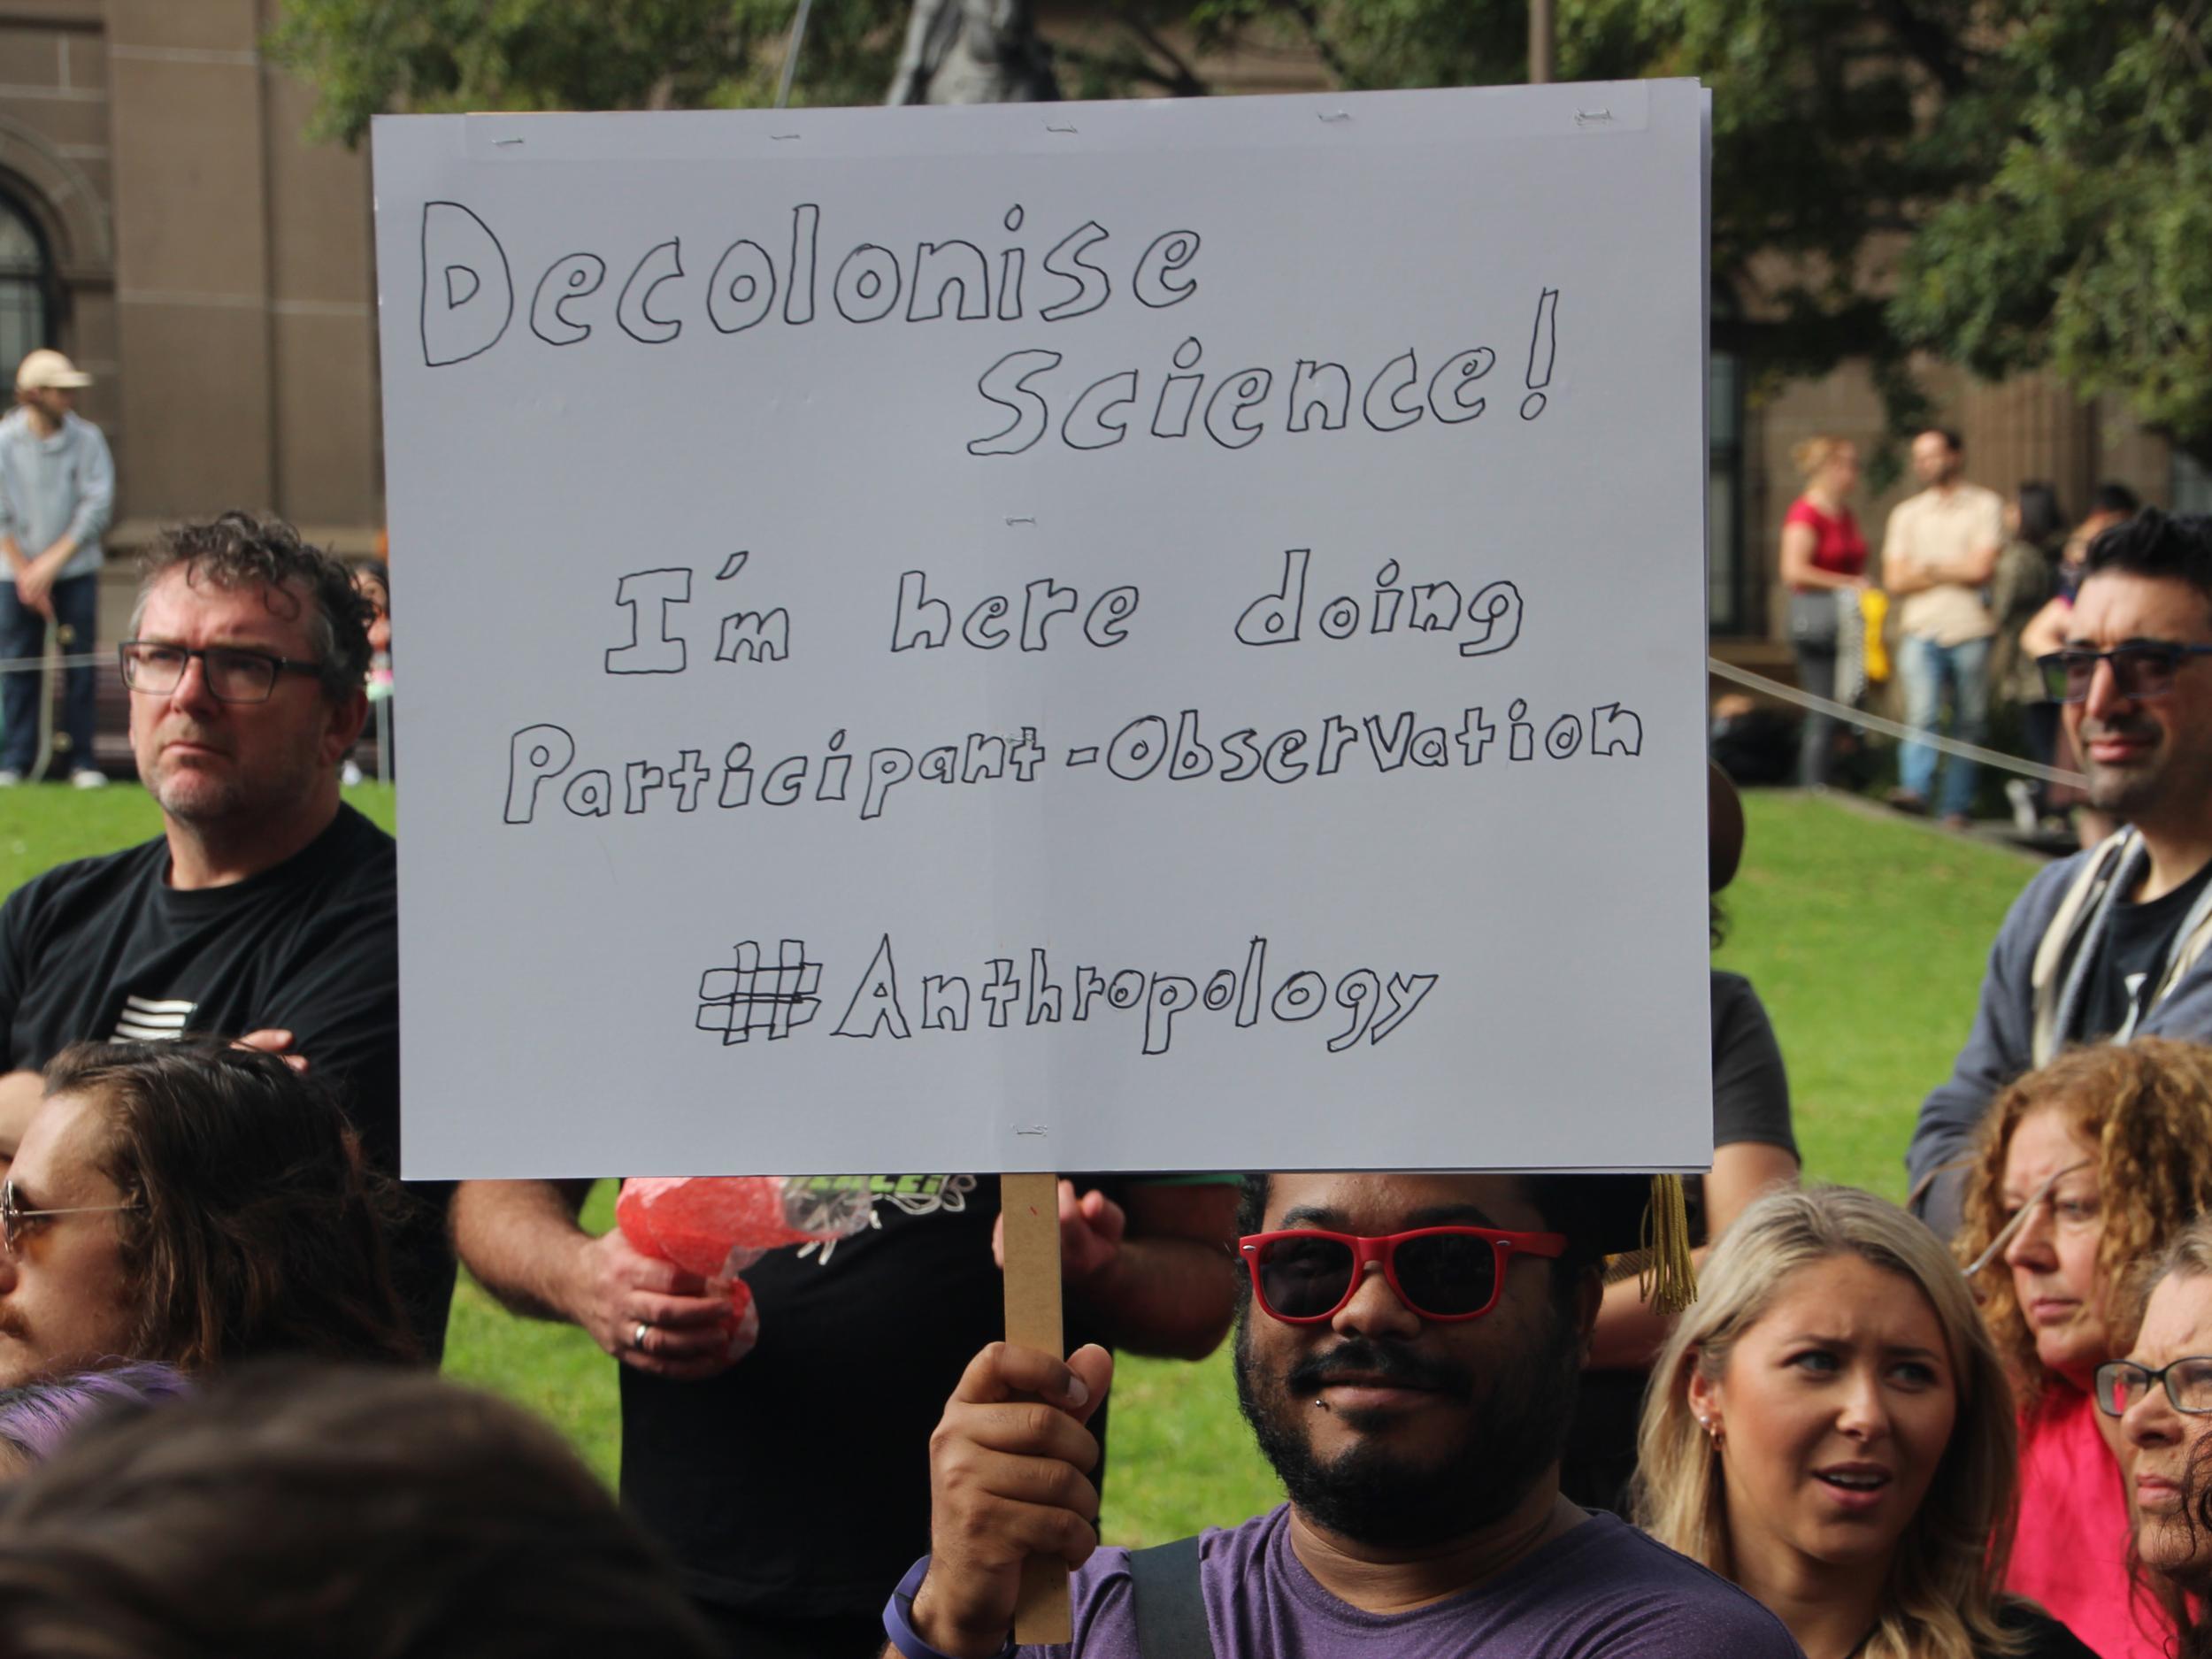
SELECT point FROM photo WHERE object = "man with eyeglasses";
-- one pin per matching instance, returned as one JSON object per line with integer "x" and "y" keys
{"x": 267, "y": 911}
{"x": 2109, "y": 943}
{"x": 1407, "y": 1350}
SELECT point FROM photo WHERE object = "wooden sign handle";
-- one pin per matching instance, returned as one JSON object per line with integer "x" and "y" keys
{"x": 1031, "y": 1206}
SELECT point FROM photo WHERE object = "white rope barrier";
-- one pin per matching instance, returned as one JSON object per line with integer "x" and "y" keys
{"x": 31, "y": 664}
{"x": 1865, "y": 722}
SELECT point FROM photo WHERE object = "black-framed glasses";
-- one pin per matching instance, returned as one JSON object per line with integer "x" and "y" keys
{"x": 1305, "y": 1275}
{"x": 13, "y": 1216}
{"x": 2140, "y": 668}
{"x": 233, "y": 675}
{"x": 2120, "y": 1383}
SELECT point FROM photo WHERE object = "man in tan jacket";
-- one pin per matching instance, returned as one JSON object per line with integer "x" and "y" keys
{"x": 1937, "y": 556}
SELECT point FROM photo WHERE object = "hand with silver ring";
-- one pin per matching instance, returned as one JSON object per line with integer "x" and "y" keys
{"x": 619, "y": 1296}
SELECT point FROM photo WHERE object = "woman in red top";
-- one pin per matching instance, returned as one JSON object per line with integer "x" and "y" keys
{"x": 1824, "y": 560}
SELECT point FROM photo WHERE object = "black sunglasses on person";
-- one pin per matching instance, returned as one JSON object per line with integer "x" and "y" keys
{"x": 2140, "y": 668}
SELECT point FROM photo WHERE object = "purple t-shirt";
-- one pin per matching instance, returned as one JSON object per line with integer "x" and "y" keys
{"x": 1603, "y": 1591}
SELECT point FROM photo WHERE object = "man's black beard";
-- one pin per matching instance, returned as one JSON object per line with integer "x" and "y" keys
{"x": 1374, "y": 1496}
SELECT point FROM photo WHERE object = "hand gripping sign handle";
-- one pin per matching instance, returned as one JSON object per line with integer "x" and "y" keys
{"x": 1031, "y": 1205}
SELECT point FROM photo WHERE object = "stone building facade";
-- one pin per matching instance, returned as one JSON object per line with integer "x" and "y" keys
{"x": 164, "y": 221}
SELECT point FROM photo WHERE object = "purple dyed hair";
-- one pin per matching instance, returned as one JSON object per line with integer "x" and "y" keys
{"x": 36, "y": 1417}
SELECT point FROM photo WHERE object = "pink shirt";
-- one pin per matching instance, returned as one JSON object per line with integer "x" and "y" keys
{"x": 2071, "y": 1552}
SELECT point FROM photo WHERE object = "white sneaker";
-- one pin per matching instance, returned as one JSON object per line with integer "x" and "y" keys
{"x": 350, "y": 776}
{"x": 2021, "y": 793}
{"x": 8, "y": 780}
{"x": 87, "y": 777}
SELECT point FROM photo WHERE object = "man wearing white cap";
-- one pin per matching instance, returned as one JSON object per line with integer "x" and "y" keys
{"x": 56, "y": 492}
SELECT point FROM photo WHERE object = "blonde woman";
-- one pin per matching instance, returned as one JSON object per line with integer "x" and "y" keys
{"x": 1830, "y": 1427}
{"x": 1823, "y": 561}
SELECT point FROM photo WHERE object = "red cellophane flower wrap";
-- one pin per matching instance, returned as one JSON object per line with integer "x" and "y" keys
{"x": 718, "y": 1226}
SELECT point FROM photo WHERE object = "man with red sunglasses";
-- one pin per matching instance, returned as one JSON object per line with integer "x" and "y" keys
{"x": 1408, "y": 1351}
{"x": 2110, "y": 943}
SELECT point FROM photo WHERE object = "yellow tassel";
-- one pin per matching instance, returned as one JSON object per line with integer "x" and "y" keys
{"x": 1669, "y": 1280}
{"x": 1874, "y": 609}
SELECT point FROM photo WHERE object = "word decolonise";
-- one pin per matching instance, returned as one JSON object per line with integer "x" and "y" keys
{"x": 471, "y": 296}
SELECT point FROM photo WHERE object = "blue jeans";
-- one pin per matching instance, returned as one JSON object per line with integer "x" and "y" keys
{"x": 1927, "y": 669}
{"x": 23, "y": 633}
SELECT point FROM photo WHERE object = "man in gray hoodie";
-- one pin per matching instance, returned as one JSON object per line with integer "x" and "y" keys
{"x": 56, "y": 493}
{"x": 2109, "y": 943}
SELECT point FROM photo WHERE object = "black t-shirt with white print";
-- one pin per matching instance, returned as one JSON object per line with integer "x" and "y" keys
{"x": 104, "y": 948}
{"x": 2131, "y": 960}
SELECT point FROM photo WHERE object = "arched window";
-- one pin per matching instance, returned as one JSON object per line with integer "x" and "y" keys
{"x": 26, "y": 285}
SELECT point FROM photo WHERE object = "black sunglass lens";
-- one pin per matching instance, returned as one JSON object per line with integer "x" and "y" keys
{"x": 1302, "y": 1278}
{"x": 1448, "y": 1273}
{"x": 2143, "y": 668}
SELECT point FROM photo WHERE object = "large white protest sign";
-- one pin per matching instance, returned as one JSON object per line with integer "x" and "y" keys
{"x": 1141, "y": 635}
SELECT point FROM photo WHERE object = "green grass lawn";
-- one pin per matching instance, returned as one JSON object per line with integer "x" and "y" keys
{"x": 1865, "y": 936}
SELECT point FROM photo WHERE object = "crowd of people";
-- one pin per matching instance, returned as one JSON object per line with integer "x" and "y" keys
{"x": 1979, "y": 1428}
{"x": 1976, "y": 590}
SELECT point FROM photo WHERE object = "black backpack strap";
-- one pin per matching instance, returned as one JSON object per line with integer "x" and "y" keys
{"x": 1171, "y": 1610}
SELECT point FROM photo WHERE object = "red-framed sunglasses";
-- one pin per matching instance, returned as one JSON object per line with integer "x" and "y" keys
{"x": 1306, "y": 1275}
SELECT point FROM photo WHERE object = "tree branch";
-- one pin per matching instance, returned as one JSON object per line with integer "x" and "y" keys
{"x": 1121, "y": 67}
{"x": 1309, "y": 16}
{"x": 1184, "y": 81}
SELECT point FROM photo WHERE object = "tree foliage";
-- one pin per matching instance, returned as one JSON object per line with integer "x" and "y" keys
{"x": 2081, "y": 239}
{"x": 2006, "y": 184}
{"x": 367, "y": 57}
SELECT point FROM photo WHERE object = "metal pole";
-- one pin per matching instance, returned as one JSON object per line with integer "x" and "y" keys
{"x": 1542, "y": 38}
{"x": 47, "y": 655}
{"x": 791, "y": 53}
{"x": 383, "y": 741}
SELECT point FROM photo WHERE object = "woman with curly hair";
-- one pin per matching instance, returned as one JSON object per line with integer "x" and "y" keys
{"x": 1829, "y": 1427}
{"x": 2094, "y": 1162}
